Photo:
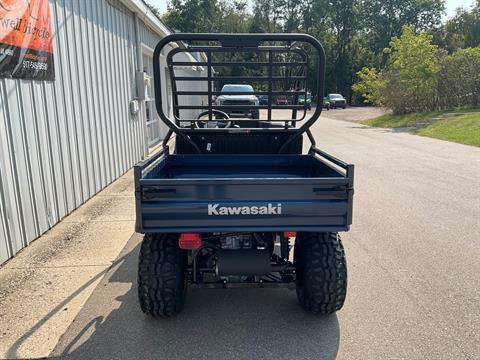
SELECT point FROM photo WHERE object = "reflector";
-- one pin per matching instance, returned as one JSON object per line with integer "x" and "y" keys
{"x": 190, "y": 241}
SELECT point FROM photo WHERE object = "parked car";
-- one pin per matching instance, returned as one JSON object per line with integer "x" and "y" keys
{"x": 263, "y": 99}
{"x": 308, "y": 100}
{"x": 326, "y": 103}
{"x": 241, "y": 100}
{"x": 337, "y": 101}
{"x": 281, "y": 100}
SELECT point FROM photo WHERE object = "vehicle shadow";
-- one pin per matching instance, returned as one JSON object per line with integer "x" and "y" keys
{"x": 215, "y": 324}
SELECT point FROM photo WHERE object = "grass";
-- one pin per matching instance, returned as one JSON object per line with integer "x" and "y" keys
{"x": 461, "y": 126}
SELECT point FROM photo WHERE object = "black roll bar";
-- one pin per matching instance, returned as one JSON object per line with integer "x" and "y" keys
{"x": 235, "y": 43}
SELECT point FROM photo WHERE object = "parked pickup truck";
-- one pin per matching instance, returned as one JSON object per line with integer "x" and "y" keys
{"x": 337, "y": 101}
{"x": 239, "y": 95}
{"x": 226, "y": 206}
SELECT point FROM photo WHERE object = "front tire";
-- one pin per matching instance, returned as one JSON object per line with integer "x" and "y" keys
{"x": 161, "y": 275}
{"x": 321, "y": 272}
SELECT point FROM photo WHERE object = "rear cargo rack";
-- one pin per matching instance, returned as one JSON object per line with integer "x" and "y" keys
{"x": 278, "y": 66}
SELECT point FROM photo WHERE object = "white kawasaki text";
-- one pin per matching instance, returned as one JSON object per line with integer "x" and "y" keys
{"x": 269, "y": 209}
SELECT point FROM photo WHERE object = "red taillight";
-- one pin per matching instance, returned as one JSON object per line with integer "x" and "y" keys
{"x": 290, "y": 234}
{"x": 190, "y": 241}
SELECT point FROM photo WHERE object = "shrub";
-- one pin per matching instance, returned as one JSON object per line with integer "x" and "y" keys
{"x": 411, "y": 72}
{"x": 459, "y": 79}
{"x": 370, "y": 86}
{"x": 421, "y": 77}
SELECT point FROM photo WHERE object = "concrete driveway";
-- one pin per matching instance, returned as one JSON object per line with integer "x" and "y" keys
{"x": 413, "y": 260}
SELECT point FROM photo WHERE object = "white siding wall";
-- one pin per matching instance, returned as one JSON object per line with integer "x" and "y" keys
{"x": 63, "y": 141}
{"x": 147, "y": 36}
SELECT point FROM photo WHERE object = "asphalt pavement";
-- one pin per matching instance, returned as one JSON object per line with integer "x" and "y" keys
{"x": 413, "y": 262}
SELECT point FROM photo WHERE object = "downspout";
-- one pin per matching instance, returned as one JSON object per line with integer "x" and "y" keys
{"x": 143, "y": 118}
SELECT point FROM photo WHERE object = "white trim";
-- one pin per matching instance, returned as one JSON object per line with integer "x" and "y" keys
{"x": 146, "y": 15}
{"x": 147, "y": 50}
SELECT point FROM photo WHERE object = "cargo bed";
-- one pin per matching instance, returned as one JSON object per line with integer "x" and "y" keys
{"x": 222, "y": 193}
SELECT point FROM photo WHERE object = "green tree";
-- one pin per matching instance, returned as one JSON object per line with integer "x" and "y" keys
{"x": 463, "y": 30}
{"x": 384, "y": 19}
{"x": 194, "y": 16}
{"x": 370, "y": 86}
{"x": 277, "y": 15}
{"x": 409, "y": 82}
{"x": 412, "y": 66}
{"x": 335, "y": 24}
{"x": 208, "y": 16}
{"x": 236, "y": 17}
{"x": 354, "y": 34}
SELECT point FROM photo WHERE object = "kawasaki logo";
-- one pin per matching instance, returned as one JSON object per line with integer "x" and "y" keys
{"x": 216, "y": 209}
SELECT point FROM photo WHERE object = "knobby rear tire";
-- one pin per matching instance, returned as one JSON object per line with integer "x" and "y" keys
{"x": 321, "y": 272}
{"x": 161, "y": 275}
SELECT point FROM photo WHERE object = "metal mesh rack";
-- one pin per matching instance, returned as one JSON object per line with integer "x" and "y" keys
{"x": 271, "y": 83}
{"x": 275, "y": 65}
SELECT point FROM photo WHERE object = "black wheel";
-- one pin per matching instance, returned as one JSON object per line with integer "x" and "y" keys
{"x": 321, "y": 272}
{"x": 161, "y": 275}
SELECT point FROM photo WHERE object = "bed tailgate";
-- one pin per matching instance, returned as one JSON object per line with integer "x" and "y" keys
{"x": 222, "y": 205}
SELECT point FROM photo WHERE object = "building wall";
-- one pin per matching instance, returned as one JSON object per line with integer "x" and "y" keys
{"x": 147, "y": 36}
{"x": 63, "y": 141}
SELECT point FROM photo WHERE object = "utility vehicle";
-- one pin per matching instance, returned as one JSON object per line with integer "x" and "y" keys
{"x": 226, "y": 206}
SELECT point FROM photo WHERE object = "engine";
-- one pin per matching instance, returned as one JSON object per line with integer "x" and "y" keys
{"x": 244, "y": 257}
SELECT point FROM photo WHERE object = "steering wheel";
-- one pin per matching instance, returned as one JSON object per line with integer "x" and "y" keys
{"x": 223, "y": 123}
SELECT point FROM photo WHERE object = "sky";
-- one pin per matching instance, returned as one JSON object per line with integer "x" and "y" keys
{"x": 451, "y": 5}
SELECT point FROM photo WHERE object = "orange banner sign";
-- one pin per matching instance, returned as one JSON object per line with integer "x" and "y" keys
{"x": 26, "y": 49}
